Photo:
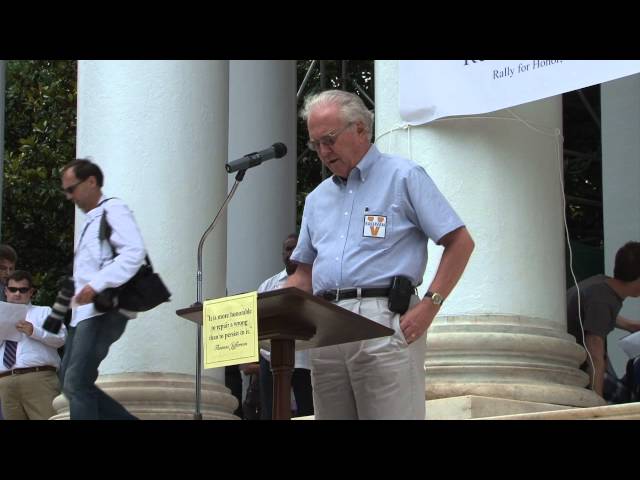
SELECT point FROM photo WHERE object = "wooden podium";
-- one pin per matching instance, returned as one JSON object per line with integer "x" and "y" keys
{"x": 295, "y": 320}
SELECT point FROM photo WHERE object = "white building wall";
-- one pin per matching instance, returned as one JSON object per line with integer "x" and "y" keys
{"x": 620, "y": 117}
{"x": 262, "y": 111}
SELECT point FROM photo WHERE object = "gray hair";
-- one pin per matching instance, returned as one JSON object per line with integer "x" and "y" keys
{"x": 352, "y": 108}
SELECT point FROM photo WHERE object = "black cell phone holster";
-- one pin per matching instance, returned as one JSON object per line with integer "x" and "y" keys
{"x": 400, "y": 294}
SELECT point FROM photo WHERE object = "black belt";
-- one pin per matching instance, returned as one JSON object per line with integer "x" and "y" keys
{"x": 343, "y": 294}
{"x": 20, "y": 371}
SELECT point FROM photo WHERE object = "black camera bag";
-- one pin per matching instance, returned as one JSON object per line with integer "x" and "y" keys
{"x": 144, "y": 291}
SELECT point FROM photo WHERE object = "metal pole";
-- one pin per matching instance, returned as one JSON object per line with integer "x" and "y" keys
{"x": 345, "y": 74}
{"x": 239, "y": 177}
{"x": 323, "y": 75}
{"x": 363, "y": 93}
{"x": 306, "y": 79}
{"x": 589, "y": 108}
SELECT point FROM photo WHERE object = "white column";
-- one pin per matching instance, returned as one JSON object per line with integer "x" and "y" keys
{"x": 620, "y": 116}
{"x": 502, "y": 332}
{"x": 262, "y": 111}
{"x": 158, "y": 129}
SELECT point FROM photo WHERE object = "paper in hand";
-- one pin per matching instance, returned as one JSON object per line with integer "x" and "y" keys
{"x": 631, "y": 344}
{"x": 10, "y": 314}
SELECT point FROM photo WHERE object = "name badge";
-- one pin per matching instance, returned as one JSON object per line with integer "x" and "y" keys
{"x": 375, "y": 226}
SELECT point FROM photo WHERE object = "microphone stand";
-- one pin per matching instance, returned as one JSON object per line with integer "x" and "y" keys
{"x": 239, "y": 177}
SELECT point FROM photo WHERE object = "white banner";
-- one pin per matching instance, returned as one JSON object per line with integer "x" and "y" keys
{"x": 431, "y": 89}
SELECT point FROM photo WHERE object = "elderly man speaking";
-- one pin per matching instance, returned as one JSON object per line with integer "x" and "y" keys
{"x": 363, "y": 245}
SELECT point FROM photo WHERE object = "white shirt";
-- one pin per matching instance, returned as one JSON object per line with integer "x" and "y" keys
{"x": 40, "y": 348}
{"x": 93, "y": 263}
{"x": 273, "y": 283}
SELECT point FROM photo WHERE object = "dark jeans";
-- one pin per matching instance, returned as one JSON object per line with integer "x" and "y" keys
{"x": 87, "y": 345}
{"x": 302, "y": 391}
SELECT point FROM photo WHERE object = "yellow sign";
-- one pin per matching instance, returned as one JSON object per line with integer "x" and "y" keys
{"x": 230, "y": 330}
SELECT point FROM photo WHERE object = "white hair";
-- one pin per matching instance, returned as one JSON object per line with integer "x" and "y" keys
{"x": 352, "y": 108}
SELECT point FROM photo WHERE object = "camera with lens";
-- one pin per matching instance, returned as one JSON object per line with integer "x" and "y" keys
{"x": 106, "y": 300}
{"x": 60, "y": 308}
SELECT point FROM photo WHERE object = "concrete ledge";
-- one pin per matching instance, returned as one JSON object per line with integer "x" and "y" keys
{"x": 473, "y": 406}
{"x": 486, "y": 408}
{"x": 508, "y": 357}
{"x": 470, "y": 407}
{"x": 626, "y": 411}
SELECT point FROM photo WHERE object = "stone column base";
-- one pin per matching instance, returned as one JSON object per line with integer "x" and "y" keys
{"x": 625, "y": 411}
{"x": 506, "y": 356}
{"x": 161, "y": 396}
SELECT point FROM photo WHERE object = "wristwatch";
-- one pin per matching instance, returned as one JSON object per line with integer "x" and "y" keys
{"x": 435, "y": 297}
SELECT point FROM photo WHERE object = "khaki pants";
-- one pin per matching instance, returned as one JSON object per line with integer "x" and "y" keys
{"x": 381, "y": 378}
{"x": 29, "y": 396}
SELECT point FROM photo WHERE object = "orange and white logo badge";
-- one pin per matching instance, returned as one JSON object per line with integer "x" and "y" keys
{"x": 375, "y": 226}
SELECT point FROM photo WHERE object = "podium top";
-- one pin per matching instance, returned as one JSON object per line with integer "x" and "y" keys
{"x": 290, "y": 313}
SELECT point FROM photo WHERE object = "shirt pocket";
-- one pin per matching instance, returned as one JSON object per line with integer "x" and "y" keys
{"x": 376, "y": 228}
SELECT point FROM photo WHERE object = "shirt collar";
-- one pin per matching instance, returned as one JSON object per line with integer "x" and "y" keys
{"x": 93, "y": 213}
{"x": 364, "y": 166}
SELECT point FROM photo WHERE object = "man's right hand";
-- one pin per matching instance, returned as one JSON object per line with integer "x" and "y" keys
{"x": 25, "y": 327}
{"x": 85, "y": 296}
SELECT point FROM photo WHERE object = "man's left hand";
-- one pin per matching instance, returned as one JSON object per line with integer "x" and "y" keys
{"x": 85, "y": 296}
{"x": 24, "y": 327}
{"x": 417, "y": 320}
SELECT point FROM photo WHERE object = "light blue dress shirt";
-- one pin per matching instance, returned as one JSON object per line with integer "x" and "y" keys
{"x": 375, "y": 226}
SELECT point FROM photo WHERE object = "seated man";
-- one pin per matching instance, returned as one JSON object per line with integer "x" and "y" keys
{"x": 302, "y": 392}
{"x": 600, "y": 300}
{"x": 28, "y": 380}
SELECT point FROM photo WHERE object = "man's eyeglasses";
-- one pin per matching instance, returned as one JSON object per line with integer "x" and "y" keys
{"x": 328, "y": 140}
{"x": 19, "y": 289}
{"x": 71, "y": 188}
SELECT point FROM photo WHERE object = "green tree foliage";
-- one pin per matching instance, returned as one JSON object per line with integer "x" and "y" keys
{"x": 335, "y": 77}
{"x": 583, "y": 166}
{"x": 40, "y": 136}
{"x": 583, "y": 182}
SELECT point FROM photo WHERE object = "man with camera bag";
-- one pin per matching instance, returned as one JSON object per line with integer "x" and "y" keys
{"x": 95, "y": 269}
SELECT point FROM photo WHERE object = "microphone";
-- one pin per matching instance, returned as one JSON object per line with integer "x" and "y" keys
{"x": 277, "y": 150}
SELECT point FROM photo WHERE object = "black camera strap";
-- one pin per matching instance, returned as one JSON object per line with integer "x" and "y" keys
{"x": 84, "y": 230}
{"x": 105, "y": 231}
